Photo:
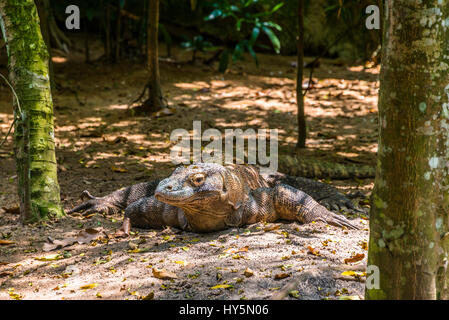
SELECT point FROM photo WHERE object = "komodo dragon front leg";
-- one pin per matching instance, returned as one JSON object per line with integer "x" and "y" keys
{"x": 117, "y": 200}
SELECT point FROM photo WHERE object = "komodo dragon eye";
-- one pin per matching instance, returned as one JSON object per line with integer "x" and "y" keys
{"x": 198, "y": 179}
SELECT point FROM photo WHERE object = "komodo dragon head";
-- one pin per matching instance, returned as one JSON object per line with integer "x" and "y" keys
{"x": 209, "y": 194}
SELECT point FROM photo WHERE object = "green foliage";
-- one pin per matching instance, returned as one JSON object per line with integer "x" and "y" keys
{"x": 244, "y": 13}
{"x": 197, "y": 44}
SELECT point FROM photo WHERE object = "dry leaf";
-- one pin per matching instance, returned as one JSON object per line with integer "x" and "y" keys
{"x": 12, "y": 210}
{"x": 183, "y": 263}
{"x": 282, "y": 275}
{"x": 272, "y": 227}
{"x": 6, "y": 242}
{"x": 5, "y": 274}
{"x": 89, "y": 286}
{"x": 222, "y": 286}
{"x": 14, "y": 295}
{"x": 84, "y": 236}
{"x": 294, "y": 294}
{"x": 231, "y": 251}
{"x": 353, "y": 273}
{"x": 313, "y": 251}
{"x": 149, "y": 296}
{"x": 58, "y": 244}
{"x": 50, "y": 257}
{"x": 163, "y": 112}
{"x": 355, "y": 258}
{"x": 349, "y": 298}
{"x": 117, "y": 169}
{"x": 164, "y": 274}
{"x": 364, "y": 245}
{"x": 138, "y": 250}
{"x": 248, "y": 272}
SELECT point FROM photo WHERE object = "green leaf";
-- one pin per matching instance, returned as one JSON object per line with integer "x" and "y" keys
{"x": 253, "y": 54}
{"x": 277, "y": 7}
{"x": 239, "y": 24}
{"x": 272, "y": 25}
{"x": 273, "y": 38}
{"x": 234, "y": 8}
{"x": 238, "y": 51}
{"x": 214, "y": 14}
{"x": 254, "y": 36}
{"x": 248, "y": 3}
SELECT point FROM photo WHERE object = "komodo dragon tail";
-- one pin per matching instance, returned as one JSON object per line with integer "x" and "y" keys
{"x": 312, "y": 168}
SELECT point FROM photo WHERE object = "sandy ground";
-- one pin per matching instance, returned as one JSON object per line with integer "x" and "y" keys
{"x": 286, "y": 259}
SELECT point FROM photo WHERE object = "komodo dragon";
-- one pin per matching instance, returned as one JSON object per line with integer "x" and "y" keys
{"x": 208, "y": 197}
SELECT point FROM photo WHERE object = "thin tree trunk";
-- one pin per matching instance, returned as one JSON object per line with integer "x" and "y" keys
{"x": 86, "y": 41}
{"x": 409, "y": 224}
{"x": 118, "y": 32}
{"x": 302, "y": 130}
{"x": 108, "y": 32}
{"x": 33, "y": 131}
{"x": 155, "y": 100}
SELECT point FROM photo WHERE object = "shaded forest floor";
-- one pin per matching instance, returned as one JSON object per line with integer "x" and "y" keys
{"x": 102, "y": 146}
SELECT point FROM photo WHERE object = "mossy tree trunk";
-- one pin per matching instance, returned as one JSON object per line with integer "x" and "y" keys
{"x": 33, "y": 131}
{"x": 302, "y": 130}
{"x": 409, "y": 225}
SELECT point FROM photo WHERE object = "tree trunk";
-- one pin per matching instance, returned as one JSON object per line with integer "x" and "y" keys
{"x": 43, "y": 12}
{"x": 33, "y": 131}
{"x": 302, "y": 130}
{"x": 409, "y": 224}
{"x": 154, "y": 101}
{"x": 107, "y": 30}
{"x": 118, "y": 29}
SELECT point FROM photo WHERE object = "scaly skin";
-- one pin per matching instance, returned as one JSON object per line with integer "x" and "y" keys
{"x": 208, "y": 197}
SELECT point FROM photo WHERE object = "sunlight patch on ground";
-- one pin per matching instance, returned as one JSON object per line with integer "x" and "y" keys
{"x": 118, "y": 107}
{"x": 57, "y": 59}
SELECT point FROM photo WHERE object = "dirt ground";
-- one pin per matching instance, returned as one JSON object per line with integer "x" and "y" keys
{"x": 102, "y": 146}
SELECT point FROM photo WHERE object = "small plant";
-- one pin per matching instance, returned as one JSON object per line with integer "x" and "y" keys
{"x": 197, "y": 44}
{"x": 243, "y": 13}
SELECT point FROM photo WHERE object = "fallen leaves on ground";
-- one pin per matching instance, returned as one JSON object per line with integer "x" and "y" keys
{"x": 14, "y": 295}
{"x": 248, "y": 272}
{"x": 356, "y": 258}
{"x": 50, "y": 257}
{"x": 232, "y": 251}
{"x": 89, "y": 286}
{"x": 353, "y": 273}
{"x": 12, "y": 210}
{"x": 6, "y": 242}
{"x": 222, "y": 286}
{"x": 118, "y": 169}
{"x": 282, "y": 275}
{"x": 313, "y": 251}
{"x": 349, "y": 298}
{"x": 272, "y": 227}
{"x": 164, "y": 274}
{"x": 84, "y": 236}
